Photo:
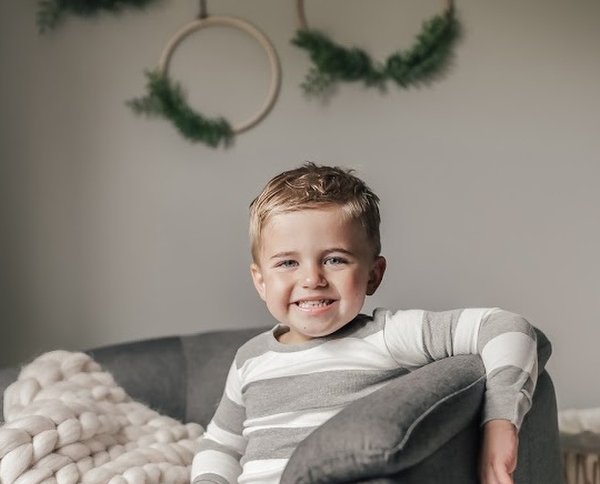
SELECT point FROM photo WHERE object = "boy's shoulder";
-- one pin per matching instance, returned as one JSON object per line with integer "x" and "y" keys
{"x": 255, "y": 346}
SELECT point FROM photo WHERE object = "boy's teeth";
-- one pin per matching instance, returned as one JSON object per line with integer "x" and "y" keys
{"x": 314, "y": 304}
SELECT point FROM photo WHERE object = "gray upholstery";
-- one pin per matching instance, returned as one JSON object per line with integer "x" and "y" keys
{"x": 416, "y": 415}
{"x": 153, "y": 372}
{"x": 184, "y": 377}
{"x": 209, "y": 357}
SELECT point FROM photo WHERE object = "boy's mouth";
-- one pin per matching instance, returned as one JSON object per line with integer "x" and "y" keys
{"x": 317, "y": 303}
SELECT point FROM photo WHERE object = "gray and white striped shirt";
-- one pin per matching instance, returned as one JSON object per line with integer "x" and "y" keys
{"x": 277, "y": 394}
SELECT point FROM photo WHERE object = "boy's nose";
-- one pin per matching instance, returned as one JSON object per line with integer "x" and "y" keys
{"x": 313, "y": 277}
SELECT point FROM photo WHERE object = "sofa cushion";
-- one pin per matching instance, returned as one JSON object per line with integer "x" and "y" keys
{"x": 394, "y": 427}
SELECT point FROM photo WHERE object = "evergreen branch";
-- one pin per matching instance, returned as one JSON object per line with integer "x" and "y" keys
{"x": 51, "y": 12}
{"x": 48, "y": 15}
{"x": 332, "y": 62}
{"x": 429, "y": 55}
{"x": 167, "y": 100}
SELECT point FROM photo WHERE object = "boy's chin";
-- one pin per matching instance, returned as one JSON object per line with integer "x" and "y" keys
{"x": 313, "y": 333}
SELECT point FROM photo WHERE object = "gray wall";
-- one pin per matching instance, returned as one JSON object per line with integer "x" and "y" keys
{"x": 114, "y": 228}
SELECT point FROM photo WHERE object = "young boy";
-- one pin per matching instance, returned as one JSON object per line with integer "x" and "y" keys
{"x": 314, "y": 234}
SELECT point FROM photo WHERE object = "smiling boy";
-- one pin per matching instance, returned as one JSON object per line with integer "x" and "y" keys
{"x": 315, "y": 245}
{"x": 334, "y": 261}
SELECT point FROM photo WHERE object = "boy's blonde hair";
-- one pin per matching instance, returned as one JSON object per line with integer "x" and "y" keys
{"x": 313, "y": 186}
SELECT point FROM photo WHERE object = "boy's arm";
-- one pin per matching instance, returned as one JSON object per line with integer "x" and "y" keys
{"x": 507, "y": 345}
{"x": 505, "y": 341}
{"x": 222, "y": 445}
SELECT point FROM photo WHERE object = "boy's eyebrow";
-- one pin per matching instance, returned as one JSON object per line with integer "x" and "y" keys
{"x": 339, "y": 249}
{"x": 327, "y": 251}
{"x": 283, "y": 254}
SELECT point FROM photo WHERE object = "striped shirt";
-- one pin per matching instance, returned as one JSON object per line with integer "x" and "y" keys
{"x": 277, "y": 394}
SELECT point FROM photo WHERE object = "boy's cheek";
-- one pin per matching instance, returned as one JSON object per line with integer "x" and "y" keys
{"x": 276, "y": 290}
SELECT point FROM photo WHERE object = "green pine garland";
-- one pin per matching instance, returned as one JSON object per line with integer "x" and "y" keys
{"x": 334, "y": 63}
{"x": 166, "y": 99}
{"x": 51, "y": 12}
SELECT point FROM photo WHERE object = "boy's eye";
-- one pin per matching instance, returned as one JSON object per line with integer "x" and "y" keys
{"x": 286, "y": 263}
{"x": 335, "y": 260}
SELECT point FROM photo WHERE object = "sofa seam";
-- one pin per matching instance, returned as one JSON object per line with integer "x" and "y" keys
{"x": 411, "y": 428}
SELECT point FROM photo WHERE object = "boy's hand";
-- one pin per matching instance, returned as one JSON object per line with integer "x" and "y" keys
{"x": 499, "y": 452}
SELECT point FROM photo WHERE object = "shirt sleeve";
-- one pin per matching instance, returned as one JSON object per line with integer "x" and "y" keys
{"x": 222, "y": 445}
{"x": 505, "y": 341}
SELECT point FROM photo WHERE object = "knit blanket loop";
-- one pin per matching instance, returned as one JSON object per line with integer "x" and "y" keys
{"x": 67, "y": 421}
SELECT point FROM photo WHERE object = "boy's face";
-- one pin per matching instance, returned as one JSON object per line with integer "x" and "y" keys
{"x": 314, "y": 271}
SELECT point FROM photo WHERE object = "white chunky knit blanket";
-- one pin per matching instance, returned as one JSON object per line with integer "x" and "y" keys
{"x": 67, "y": 421}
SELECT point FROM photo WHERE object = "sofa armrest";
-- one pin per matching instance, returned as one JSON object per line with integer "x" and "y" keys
{"x": 395, "y": 427}
{"x": 544, "y": 350}
{"x": 406, "y": 422}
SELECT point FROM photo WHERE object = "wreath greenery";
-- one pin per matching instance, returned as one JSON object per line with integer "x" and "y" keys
{"x": 166, "y": 99}
{"x": 50, "y": 12}
{"x": 334, "y": 63}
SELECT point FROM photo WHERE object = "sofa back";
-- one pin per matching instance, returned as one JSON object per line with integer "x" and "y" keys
{"x": 182, "y": 377}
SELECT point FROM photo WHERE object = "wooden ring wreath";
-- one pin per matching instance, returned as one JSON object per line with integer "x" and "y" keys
{"x": 332, "y": 62}
{"x": 167, "y": 99}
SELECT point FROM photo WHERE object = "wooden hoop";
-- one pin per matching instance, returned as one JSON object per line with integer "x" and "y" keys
{"x": 304, "y": 24}
{"x": 240, "y": 24}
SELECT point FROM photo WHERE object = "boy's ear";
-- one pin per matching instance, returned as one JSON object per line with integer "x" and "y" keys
{"x": 257, "y": 278}
{"x": 376, "y": 274}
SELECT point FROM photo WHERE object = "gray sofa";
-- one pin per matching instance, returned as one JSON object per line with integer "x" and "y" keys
{"x": 421, "y": 428}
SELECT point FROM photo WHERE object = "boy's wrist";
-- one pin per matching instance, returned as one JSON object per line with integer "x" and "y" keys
{"x": 498, "y": 458}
